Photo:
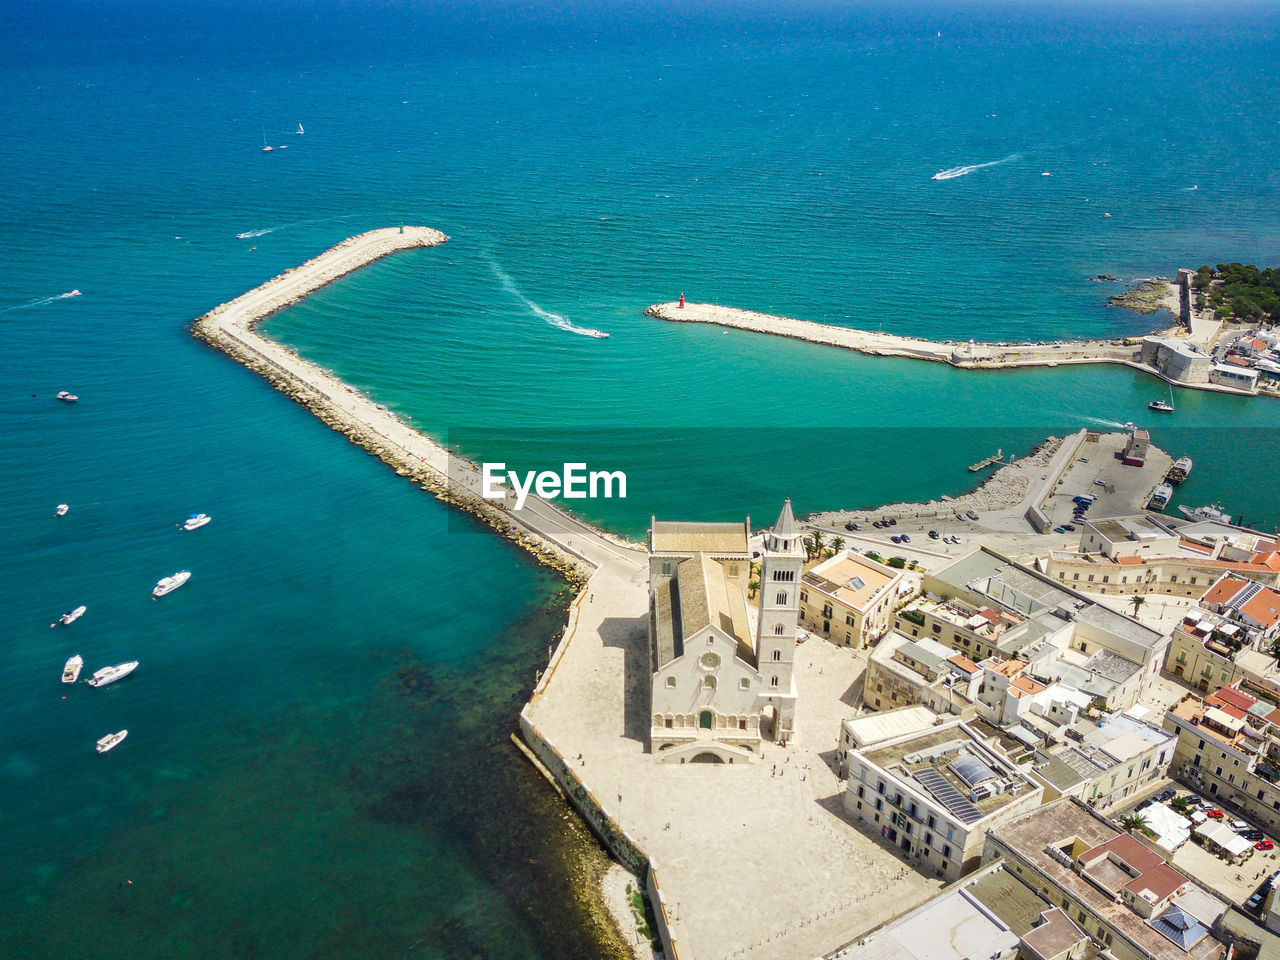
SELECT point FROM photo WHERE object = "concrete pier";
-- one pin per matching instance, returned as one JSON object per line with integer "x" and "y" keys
{"x": 964, "y": 355}
{"x": 555, "y": 538}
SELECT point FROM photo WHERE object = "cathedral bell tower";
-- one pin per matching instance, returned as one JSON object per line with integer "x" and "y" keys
{"x": 781, "y": 569}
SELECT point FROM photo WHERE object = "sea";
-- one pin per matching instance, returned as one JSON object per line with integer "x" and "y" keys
{"x": 318, "y": 762}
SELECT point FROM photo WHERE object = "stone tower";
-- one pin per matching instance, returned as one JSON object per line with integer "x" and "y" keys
{"x": 780, "y": 572}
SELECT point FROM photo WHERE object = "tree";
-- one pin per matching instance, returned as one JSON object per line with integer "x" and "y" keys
{"x": 1137, "y": 600}
{"x": 1180, "y": 804}
{"x": 753, "y": 587}
{"x": 837, "y": 544}
{"x": 1135, "y": 822}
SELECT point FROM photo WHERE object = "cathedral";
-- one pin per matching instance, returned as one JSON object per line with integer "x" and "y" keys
{"x": 721, "y": 685}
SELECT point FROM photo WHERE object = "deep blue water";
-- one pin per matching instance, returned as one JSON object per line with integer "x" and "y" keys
{"x": 319, "y": 709}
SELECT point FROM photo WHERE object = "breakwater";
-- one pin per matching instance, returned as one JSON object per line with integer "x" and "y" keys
{"x": 554, "y": 538}
{"x": 964, "y": 355}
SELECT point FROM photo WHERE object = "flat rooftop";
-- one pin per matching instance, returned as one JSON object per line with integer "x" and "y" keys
{"x": 1064, "y": 823}
{"x": 853, "y": 582}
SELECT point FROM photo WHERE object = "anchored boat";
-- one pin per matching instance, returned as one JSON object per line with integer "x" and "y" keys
{"x": 170, "y": 584}
{"x": 1211, "y": 512}
{"x": 111, "y": 740}
{"x": 196, "y": 521}
{"x": 1179, "y": 472}
{"x": 62, "y": 510}
{"x": 1160, "y": 498}
{"x": 111, "y": 674}
{"x": 71, "y": 616}
{"x": 66, "y": 397}
{"x": 71, "y": 672}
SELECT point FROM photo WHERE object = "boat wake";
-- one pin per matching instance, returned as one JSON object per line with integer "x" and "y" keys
{"x": 250, "y": 234}
{"x": 555, "y": 319}
{"x": 952, "y": 172}
{"x": 1114, "y": 424}
{"x": 41, "y": 301}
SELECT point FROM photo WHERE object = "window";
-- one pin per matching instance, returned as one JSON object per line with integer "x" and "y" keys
{"x": 733, "y": 569}
{"x": 709, "y": 682}
{"x": 671, "y": 683}
{"x": 667, "y": 723}
{"x": 932, "y": 822}
{"x": 946, "y": 851}
{"x": 804, "y": 596}
{"x": 773, "y": 681}
{"x": 848, "y": 619}
{"x": 1174, "y": 578}
{"x": 777, "y": 629}
{"x": 784, "y": 576}
{"x": 742, "y": 724}
{"x": 782, "y": 598}
{"x": 705, "y": 719}
{"x": 777, "y": 654}
{"x": 880, "y": 789}
{"x": 744, "y": 684}
{"x": 1075, "y": 576}
{"x": 826, "y": 610}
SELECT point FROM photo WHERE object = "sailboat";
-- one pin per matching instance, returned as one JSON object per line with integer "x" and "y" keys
{"x": 266, "y": 147}
{"x": 299, "y": 131}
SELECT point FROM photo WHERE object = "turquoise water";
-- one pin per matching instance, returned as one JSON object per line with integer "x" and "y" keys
{"x": 317, "y": 761}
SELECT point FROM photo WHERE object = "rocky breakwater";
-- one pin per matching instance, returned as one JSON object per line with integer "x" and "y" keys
{"x": 965, "y": 354}
{"x": 450, "y": 478}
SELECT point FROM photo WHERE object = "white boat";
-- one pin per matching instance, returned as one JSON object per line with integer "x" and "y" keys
{"x": 196, "y": 521}
{"x": 71, "y": 616}
{"x": 1211, "y": 512}
{"x": 66, "y": 397}
{"x": 111, "y": 740}
{"x": 1180, "y": 470}
{"x": 1160, "y": 498}
{"x": 112, "y": 674}
{"x": 71, "y": 672}
{"x": 1161, "y": 406}
{"x": 62, "y": 510}
{"x": 299, "y": 130}
{"x": 170, "y": 584}
{"x": 266, "y": 147}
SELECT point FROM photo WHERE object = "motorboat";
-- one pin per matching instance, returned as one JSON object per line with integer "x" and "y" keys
{"x": 111, "y": 674}
{"x": 1161, "y": 497}
{"x": 66, "y": 397}
{"x": 62, "y": 510}
{"x": 170, "y": 584}
{"x": 196, "y": 521}
{"x": 71, "y": 616}
{"x": 1211, "y": 512}
{"x": 1180, "y": 470}
{"x": 71, "y": 672}
{"x": 1160, "y": 405}
{"x": 111, "y": 740}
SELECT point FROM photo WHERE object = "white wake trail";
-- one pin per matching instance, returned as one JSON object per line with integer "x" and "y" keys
{"x": 555, "y": 319}
{"x": 952, "y": 172}
{"x": 41, "y": 301}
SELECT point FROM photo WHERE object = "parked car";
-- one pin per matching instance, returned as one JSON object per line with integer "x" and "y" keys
{"x": 1239, "y": 826}
{"x": 1166, "y": 796}
{"x": 1100, "y": 482}
{"x": 1253, "y": 835}
{"x": 896, "y": 539}
{"x": 933, "y": 534}
{"x": 1255, "y": 901}
{"x": 802, "y": 636}
{"x": 1059, "y": 529}
{"x": 1263, "y": 845}
{"x": 1068, "y": 527}
{"x": 893, "y": 521}
{"x": 906, "y": 538}
{"x": 971, "y": 515}
{"x": 1214, "y": 814}
{"x": 851, "y": 526}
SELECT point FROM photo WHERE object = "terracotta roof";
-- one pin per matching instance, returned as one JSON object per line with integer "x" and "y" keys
{"x": 963, "y": 662}
{"x": 1155, "y": 877}
{"x": 1232, "y": 699}
{"x": 1162, "y": 882}
{"x": 1027, "y": 684}
{"x": 1263, "y": 607}
{"x": 1010, "y": 668}
{"x": 1223, "y": 590}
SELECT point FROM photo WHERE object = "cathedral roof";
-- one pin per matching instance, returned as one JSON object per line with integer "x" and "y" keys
{"x": 786, "y": 528}
{"x": 699, "y": 595}
{"x": 677, "y": 536}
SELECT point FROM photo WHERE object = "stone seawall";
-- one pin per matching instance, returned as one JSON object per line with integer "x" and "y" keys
{"x": 450, "y": 478}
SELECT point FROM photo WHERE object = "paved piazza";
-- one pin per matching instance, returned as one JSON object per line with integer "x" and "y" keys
{"x": 753, "y": 863}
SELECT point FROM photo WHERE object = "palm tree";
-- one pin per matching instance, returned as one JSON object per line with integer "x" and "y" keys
{"x": 1137, "y": 600}
{"x": 837, "y": 544}
{"x": 818, "y": 543}
{"x": 1180, "y": 804}
{"x": 753, "y": 587}
{"x": 1135, "y": 821}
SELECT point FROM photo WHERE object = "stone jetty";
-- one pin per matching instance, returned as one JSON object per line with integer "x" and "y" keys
{"x": 963, "y": 354}
{"x": 554, "y": 537}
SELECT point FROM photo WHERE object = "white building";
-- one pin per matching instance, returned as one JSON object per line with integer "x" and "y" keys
{"x": 718, "y": 687}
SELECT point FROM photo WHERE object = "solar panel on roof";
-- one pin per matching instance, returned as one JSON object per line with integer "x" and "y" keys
{"x": 947, "y": 795}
